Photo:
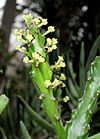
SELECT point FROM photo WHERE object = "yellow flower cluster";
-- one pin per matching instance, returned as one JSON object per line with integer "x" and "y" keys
{"x": 36, "y": 59}
{"x": 28, "y": 18}
{"x": 54, "y": 84}
{"x": 27, "y": 35}
{"x": 23, "y": 36}
{"x": 62, "y": 77}
{"x": 57, "y": 82}
{"x": 26, "y": 59}
{"x": 38, "y": 22}
{"x": 59, "y": 64}
{"x": 21, "y": 49}
{"x": 50, "y": 29}
{"x": 50, "y": 45}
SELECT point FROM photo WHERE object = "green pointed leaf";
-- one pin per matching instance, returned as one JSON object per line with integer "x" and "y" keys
{"x": 3, "y": 102}
{"x": 93, "y": 52}
{"x": 24, "y": 131}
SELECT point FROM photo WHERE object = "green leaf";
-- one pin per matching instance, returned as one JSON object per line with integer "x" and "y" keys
{"x": 3, "y": 102}
{"x": 24, "y": 131}
{"x": 34, "y": 116}
{"x": 97, "y": 136}
{"x": 3, "y": 133}
{"x": 93, "y": 52}
{"x": 82, "y": 69}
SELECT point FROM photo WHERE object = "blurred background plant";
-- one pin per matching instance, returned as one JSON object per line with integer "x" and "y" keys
{"x": 77, "y": 29}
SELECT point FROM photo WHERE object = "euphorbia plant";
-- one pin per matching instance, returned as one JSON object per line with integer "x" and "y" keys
{"x": 36, "y": 47}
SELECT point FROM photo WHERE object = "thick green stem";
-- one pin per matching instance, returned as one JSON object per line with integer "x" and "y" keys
{"x": 50, "y": 107}
{"x": 79, "y": 124}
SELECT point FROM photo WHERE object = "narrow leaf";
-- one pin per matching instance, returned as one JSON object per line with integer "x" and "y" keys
{"x": 93, "y": 52}
{"x": 82, "y": 69}
{"x": 3, "y": 102}
{"x": 34, "y": 116}
{"x": 24, "y": 131}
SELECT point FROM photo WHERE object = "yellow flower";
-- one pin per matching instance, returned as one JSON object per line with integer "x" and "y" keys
{"x": 59, "y": 64}
{"x": 47, "y": 83}
{"x": 54, "y": 47}
{"x": 26, "y": 59}
{"x": 44, "y": 21}
{"x": 65, "y": 99}
{"x": 36, "y": 21}
{"x": 19, "y": 38}
{"x": 54, "y": 41}
{"x": 49, "y": 41}
{"x": 29, "y": 37}
{"x": 18, "y": 47}
{"x": 19, "y": 31}
{"x": 56, "y": 83}
{"x": 62, "y": 77}
{"x": 41, "y": 96}
{"x": 41, "y": 59}
{"x": 21, "y": 49}
{"x": 37, "y": 58}
{"x": 35, "y": 55}
{"x": 28, "y": 18}
{"x": 51, "y": 29}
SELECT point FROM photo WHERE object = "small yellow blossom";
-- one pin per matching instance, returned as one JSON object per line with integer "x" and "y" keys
{"x": 21, "y": 49}
{"x": 19, "y": 31}
{"x": 44, "y": 21}
{"x": 49, "y": 41}
{"x": 28, "y": 18}
{"x": 18, "y": 47}
{"x": 50, "y": 45}
{"x": 62, "y": 84}
{"x": 26, "y": 59}
{"x": 35, "y": 55}
{"x": 51, "y": 29}
{"x": 65, "y": 99}
{"x": 54, "y": 47}
{"x": 29, "y": 37}
{"x": 41, "y": 96}
{"x": 47, "y": 83}
{"x": 62, "y": 77}
{"x": 36, "y": 21}
{"x": 59, "y": 64}
{"x": 19, "y": 38}
{"x": 37, "y": 58}
{"x": 56, "y": 83}
{"x": 54, "y": 41}
{"x": 41, "y": 59}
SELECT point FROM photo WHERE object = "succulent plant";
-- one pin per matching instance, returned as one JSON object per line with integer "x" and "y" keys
{"x": 35, "y": 49}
